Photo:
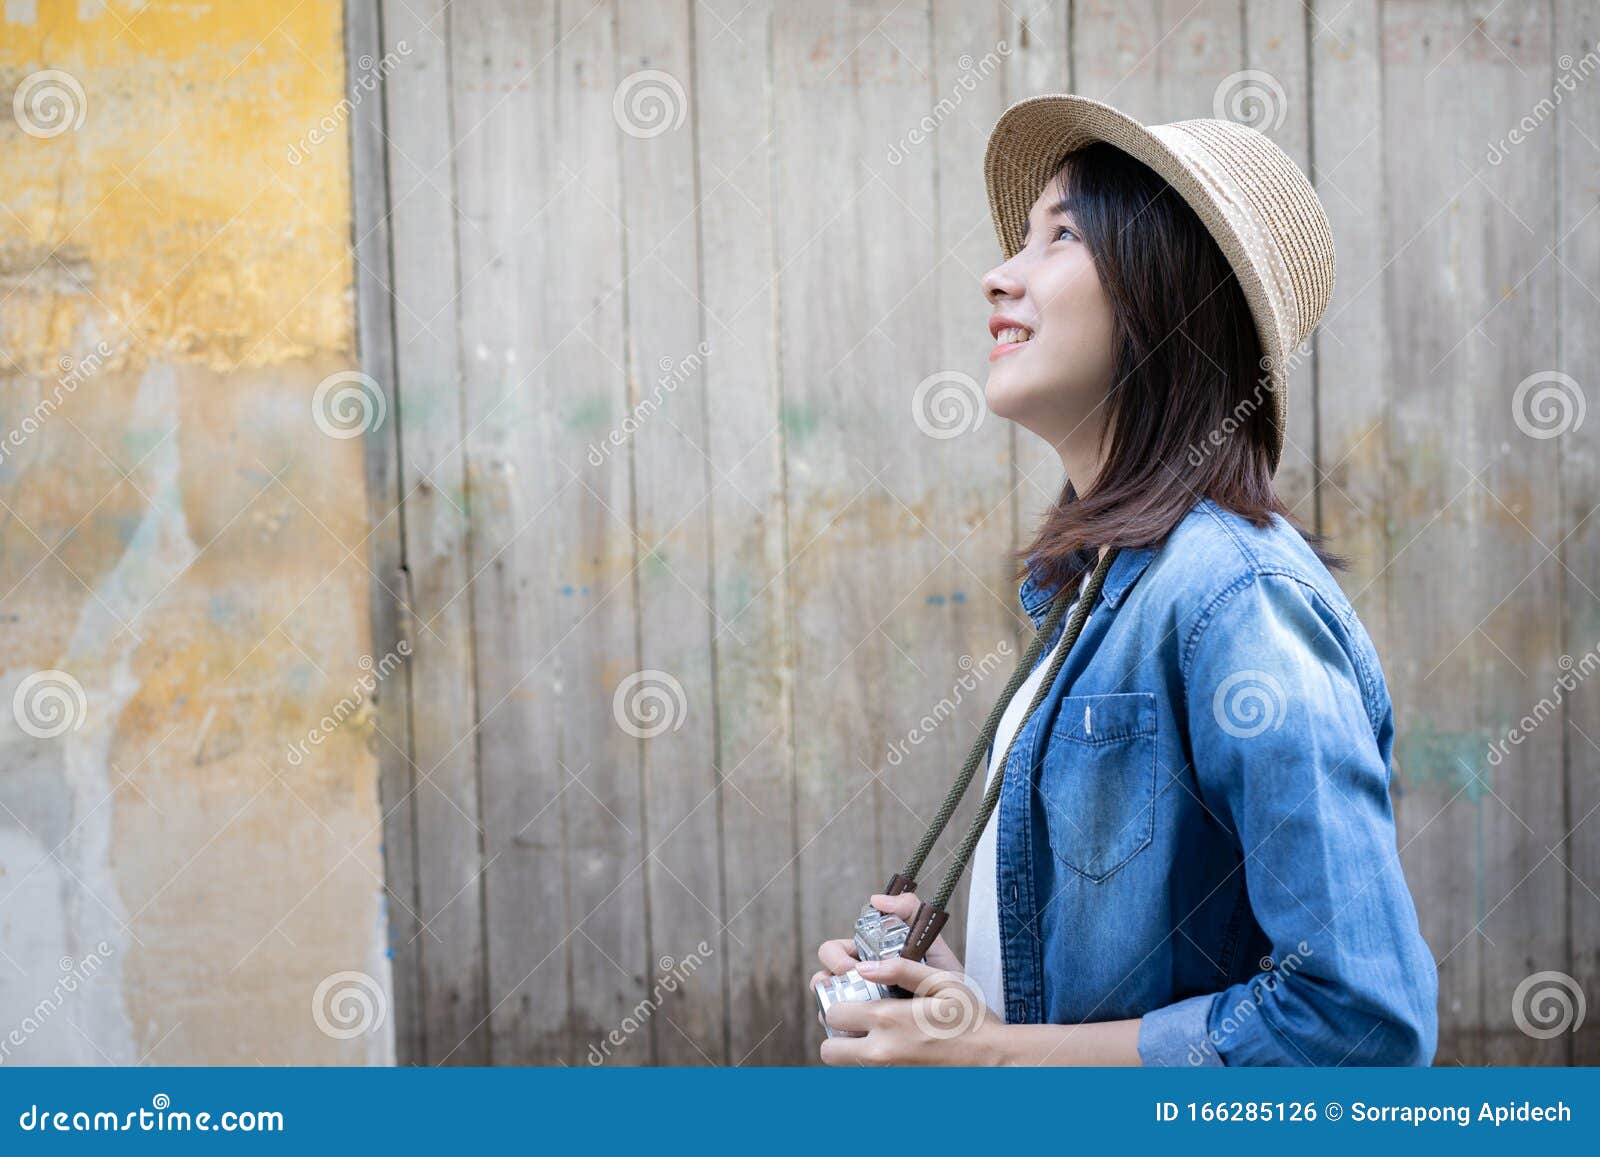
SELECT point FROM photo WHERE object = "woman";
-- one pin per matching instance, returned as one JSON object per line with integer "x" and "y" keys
{"x": 1192, "y": 859}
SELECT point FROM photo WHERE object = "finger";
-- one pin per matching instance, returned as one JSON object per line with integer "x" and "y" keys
{"x": 904, "y": 905}
{"x": 843, "y": 1050}
{"x": 852, "y": 1015}
{"x": 911, "y": 975}
{"x": 837, "y": 956}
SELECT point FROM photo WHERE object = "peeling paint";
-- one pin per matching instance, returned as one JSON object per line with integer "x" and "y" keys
{"x": 176, "y": 536}
{"x": 183, "y": 218}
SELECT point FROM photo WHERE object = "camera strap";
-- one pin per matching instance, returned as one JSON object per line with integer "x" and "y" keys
{"x": 931, "y": 916}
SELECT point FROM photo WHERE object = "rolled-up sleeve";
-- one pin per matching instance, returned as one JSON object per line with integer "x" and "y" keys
{"x": 1178, "y": 1033}
{"x": 1288, "y": 759}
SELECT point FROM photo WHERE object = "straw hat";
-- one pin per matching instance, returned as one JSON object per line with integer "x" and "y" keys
{"x": 1254, "y": 200}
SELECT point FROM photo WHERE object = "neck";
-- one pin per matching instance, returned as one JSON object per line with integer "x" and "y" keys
{"x": 1082, "y": 459}
{"x": 1081, "y": 456}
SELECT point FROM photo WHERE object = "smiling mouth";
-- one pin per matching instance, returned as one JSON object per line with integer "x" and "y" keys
{"x": 1009, "y": 340}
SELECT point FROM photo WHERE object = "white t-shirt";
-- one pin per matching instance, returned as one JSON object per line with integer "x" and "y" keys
{"x": 983, "y": 914}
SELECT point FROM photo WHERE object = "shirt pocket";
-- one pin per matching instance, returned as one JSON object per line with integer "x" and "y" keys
{"x": 1098, "y": 781}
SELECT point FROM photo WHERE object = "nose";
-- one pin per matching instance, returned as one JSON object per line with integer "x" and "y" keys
{"x": 1001, "y": 282}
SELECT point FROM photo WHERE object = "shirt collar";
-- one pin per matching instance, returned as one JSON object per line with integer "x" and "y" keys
{"x": 1130, "y": 564}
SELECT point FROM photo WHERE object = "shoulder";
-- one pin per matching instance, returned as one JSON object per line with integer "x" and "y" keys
{"x": 1215, "y": 559}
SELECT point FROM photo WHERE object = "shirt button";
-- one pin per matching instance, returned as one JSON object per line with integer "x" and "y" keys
{"x": 1014, "y": 895}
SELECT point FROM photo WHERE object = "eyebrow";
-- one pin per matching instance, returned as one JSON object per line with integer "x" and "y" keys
{"x": 1065, "y": 207}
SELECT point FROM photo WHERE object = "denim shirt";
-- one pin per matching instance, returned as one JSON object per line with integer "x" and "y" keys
{"x": 1195, "y": 826}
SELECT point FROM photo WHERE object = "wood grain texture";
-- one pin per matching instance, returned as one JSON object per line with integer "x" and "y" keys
{"x": 970, "y": 513}
{"x": 1472, "y": 299}
{"x": 1271, "y": 92}
{"x": 766, "y": 1013}
{"x": 553, "y": 553}
{"x": 1577, "y": 253}
{"x": 672, "y": 475}
{"x": 391, "y": 604}
{"x": 656, "y": 387}
{"x": 845, "y": 80}
{"x": 1351, "y": 350}
{"x": 434, "y": 516}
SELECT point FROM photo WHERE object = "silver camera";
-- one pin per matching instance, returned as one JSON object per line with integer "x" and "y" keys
{"x": 879, "y": 936}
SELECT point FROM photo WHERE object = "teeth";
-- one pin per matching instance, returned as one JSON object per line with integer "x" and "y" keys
{"x": 1012, "y": 334}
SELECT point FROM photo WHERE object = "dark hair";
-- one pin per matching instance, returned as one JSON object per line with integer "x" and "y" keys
{"x": 1190, "y": 409}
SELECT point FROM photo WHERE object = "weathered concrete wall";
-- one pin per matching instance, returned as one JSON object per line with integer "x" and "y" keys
{"x": 183, "y": 581}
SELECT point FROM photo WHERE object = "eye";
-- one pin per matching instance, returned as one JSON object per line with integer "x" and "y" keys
{"x": 1067, "y": 230}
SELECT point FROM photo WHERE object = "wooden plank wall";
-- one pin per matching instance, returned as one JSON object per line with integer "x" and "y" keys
{"x": 668, "y": 297}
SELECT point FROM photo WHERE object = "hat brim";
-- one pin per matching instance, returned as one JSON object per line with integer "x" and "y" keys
{"x": 1025, "y": 150}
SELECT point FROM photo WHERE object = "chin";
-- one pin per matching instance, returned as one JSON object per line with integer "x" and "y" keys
{"x": 1007, "y": 399}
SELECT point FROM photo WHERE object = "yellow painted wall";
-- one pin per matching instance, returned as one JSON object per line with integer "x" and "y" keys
{"x": 182, "y": 545}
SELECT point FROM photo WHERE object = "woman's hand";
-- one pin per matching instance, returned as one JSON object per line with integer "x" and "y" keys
{"x": 944, "y": 1022}
{"x": 939, "y": 1025}
{"x": 839, "y": 956}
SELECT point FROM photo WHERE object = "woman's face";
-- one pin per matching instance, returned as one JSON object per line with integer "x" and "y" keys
{"x": 1054, "y": 382}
